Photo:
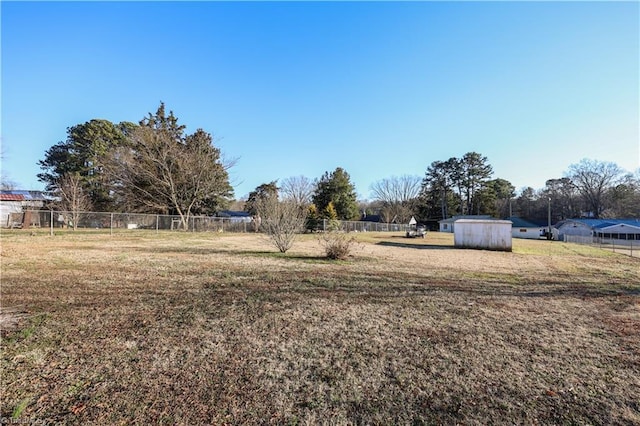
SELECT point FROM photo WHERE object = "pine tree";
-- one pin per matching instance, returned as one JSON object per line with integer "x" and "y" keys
{"x": 336, "y": 188}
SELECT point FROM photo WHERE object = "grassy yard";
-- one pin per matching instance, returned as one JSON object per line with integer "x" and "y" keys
{"x": 179, "y": 328}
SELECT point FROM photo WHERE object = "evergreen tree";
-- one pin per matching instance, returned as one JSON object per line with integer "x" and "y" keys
{"x": 313, "y": 218}
{"x": 336, "y": 188}
{"x": 259, "y": 195}
{"x": 331, "y": 215}
{"x": 83, "y": 154}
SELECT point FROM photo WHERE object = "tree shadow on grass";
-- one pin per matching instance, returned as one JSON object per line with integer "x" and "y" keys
{"x": 286, "y": 256}
{"x": 272, "y": 254}
{"x": 416, "y": 246}
{"x": 383, "y": 287}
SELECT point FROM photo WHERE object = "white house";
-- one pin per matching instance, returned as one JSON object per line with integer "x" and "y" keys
{"x": 621, "y": 229}
{"x": 618, "y": 231}
{"x": 235, "y": 216}
{"x": 521, "y": 228}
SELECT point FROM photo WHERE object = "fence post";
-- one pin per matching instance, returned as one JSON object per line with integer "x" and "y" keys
{"x": 111, "y": 224}
{"x": 51, "y": 224}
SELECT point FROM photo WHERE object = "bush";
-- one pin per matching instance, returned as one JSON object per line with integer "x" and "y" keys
{"x": 281, "y": 221}
{"x": 337, "y": 244}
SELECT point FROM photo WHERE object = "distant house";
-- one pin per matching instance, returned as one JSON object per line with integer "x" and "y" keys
{"x": 522, "y": 228}
{"x": 622, "y": 229}
{"x": 236, "y": 216}
{"x": 627, "y": 230}
{"x": 13, "y": 203}
{"x": 446, "y": 225}
{"x": 371, "y": 218}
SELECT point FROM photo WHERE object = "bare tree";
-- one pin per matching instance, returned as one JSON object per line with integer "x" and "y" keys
{"x": 298, "y": 189}
{"x": 159, "y": 173}
{"x": 396, "y": 189}
{"x": 281, "y": 221}
{"x": 563, "y": 196}
{"x": 624, "y": 199}
{"x": 5, "y": 182}
{"x": 594, "y": 179}
{"x": 397, "y": 195}
{"x": 71, "y": 197}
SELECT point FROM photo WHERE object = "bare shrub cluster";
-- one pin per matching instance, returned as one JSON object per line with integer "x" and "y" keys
{"x": 281, "y": 221}
{"x": 337, "y": 244}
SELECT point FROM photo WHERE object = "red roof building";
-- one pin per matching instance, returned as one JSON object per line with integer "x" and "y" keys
{"x": 12, "y": 197}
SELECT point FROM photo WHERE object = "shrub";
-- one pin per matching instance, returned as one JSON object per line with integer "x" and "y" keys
{"x": 337, "y": 244}
{"x": 281, "y": 221}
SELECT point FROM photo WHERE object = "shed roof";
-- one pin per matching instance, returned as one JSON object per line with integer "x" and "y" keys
{"x": 482, "y": 221}
{"x": 470, "y": 216}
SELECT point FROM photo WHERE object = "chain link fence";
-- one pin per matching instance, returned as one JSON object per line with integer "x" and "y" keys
{"x": 628, "y": 247}
{"x": 122, "y": 222}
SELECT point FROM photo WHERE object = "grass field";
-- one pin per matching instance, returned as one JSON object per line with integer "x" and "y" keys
{"x": 179, "y": 328}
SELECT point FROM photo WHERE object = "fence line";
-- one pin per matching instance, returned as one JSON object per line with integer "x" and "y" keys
{"x": 53, "y": 219}
{"x": 628, "y": 247}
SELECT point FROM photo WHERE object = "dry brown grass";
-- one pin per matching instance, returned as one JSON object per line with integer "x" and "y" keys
{"x": 221, "y": 329}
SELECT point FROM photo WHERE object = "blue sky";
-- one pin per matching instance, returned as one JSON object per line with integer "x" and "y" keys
{"x": 300, "y": 88}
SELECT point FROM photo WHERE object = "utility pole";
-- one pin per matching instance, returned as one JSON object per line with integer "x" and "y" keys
{"x": 549, "y": 235}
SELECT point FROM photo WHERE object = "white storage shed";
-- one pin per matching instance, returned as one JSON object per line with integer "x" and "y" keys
{"x": 484, "y": 234}
{"x": 447, "y": 225}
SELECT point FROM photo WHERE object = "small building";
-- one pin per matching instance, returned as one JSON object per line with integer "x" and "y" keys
{"x": 487, "y": 234}
{"x": 447, "y": 225}
{"x": 13, "y": 204}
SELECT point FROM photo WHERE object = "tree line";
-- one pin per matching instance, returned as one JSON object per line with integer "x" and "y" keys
{"x": 149, "y": 167}
{"x": 153, "y": 166}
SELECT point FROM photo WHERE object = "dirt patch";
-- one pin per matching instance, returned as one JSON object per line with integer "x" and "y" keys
{"x": 11, "y": 319}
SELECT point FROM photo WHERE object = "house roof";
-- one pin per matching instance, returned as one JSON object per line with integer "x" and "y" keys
{"x": 519, "y": 222}
{"x": 233, "y": 213}
{"x": 371, "y": 218}
{"x": 599, "y": 223}
{"x": 26, "y": 195}
{"x": 11, "y": 197}
{"x": 620, "y": 227}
